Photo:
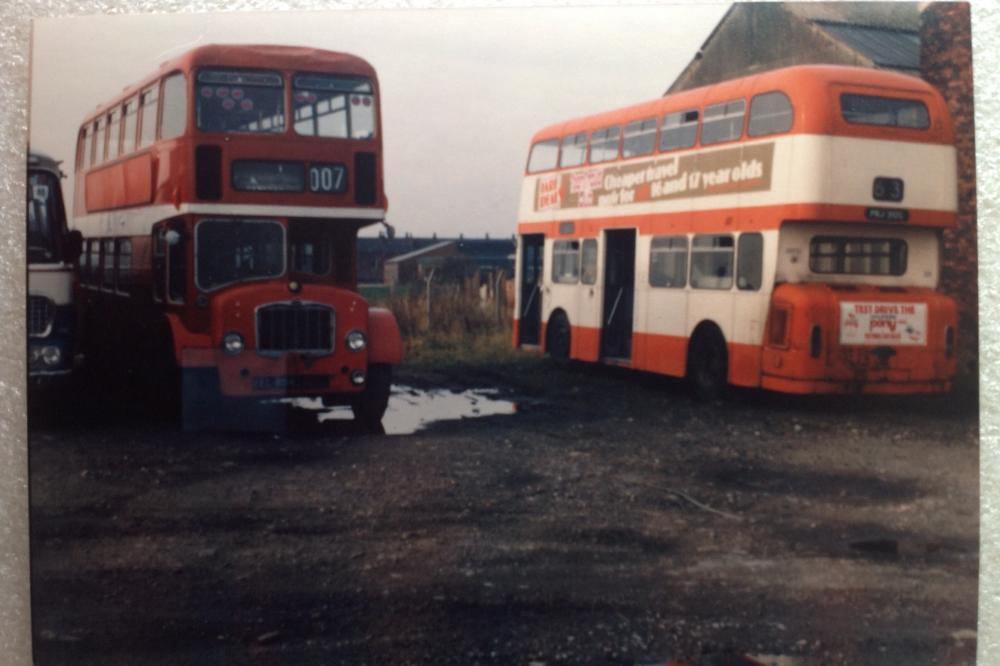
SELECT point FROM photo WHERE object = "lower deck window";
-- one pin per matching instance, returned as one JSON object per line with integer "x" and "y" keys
{"x": 566, "y": 262}
{"x": 712, "y": 262}
{"x": 588, "y": 272}
{"x": 857, "y": 256}
{"x": 668, "y": 261}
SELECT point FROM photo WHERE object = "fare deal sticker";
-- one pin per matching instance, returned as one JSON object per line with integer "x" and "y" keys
{"x": 878, "y": 323}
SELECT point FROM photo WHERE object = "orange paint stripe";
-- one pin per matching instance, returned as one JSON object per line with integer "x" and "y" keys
{"x": 759, "y": 218}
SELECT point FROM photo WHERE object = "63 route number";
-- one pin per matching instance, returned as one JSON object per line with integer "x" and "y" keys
{"x": 327, "y": 178}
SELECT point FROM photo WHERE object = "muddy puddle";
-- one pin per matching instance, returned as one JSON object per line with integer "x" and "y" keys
{"x": 411, "y": 409}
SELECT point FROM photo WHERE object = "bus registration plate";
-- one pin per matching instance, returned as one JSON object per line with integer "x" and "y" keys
{"x": 291, "y": 382}
{"x": 880, "y": 323}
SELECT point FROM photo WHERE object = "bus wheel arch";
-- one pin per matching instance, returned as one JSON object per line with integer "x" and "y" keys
{"x": 385, "y": 343}
{"x": 558, "y": 335}
{"x": 708, "y": 362}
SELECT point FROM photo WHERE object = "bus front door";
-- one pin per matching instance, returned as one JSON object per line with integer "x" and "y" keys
{"x": 530, "y": 316}
{"x": 619, "y": 294}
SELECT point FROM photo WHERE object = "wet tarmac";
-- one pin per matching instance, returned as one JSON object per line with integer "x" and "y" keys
{"x": 411, "y": 409}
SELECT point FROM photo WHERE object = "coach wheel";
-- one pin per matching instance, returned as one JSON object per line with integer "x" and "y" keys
{"x": 370, "y": 406}
{"x": 707, "y": 366}
{"x": 557, "y": 337}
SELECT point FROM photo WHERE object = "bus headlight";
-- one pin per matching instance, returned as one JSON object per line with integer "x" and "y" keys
{"x": 233, "y": 343}
{"x": 356, "y": 341}
{"x": 51, "y": 355}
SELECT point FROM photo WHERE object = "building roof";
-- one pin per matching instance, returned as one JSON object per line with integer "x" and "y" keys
{"x": 891, "y": 49}
{"x": 419, "y": 252}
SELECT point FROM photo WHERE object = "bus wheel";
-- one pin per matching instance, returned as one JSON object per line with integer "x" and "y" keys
{"x": 557, "y": 337}
{"x": 708, "y": 365}
{"x": 370, "y": 406}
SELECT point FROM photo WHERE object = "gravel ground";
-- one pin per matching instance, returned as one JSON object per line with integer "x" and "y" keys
{"x": 609, "y": 521}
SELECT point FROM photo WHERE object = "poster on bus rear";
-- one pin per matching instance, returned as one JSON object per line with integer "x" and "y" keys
{"x": 874, "y": 323}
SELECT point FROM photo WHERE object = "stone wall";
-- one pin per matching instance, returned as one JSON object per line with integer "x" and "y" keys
{"x": 946, "y": 63}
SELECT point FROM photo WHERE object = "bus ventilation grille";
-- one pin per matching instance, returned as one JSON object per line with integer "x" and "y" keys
{"x": 295, "y": 327}
{"x": 40, "y": 312}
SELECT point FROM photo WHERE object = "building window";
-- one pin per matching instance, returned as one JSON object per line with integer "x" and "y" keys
{"x": 857, "y": 256}
{"x": 712, "y": 262}
{"x": 723, "y": 122}
{"x": 750, "y": 261}
{"x": 668, "y": 261}
{"x": 544, "y": 156}
{"x": 770, "y": 113}
{"x": 174, "y": 120}
{"x": 588, "y": 262}
{"x": 566, "y": 262}
{"x": 640, "y": 138}
{"x": 574, "y": 150}
{"x": 679, "y": 130}
{"x": 604, "y": 144}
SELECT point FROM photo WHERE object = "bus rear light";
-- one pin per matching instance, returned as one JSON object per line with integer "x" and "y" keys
{"x": 949, "y": 342}
{"x": 815, "y": 341}
{"x": 777, "y": 335}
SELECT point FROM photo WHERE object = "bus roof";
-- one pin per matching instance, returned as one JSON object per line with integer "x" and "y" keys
{"x": 250, "y": 56}
{"x": 800, "y": 83}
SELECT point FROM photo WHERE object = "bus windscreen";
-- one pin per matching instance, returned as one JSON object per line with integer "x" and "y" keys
{"x": 240, "y": 101}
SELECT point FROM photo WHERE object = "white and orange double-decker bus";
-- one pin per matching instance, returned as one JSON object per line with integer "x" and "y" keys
{"x": 220, "y": 200}
{"x": 780, "y": 231}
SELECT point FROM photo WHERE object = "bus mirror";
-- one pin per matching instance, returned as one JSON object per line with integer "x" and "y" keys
{"x": 72, "y": 245}
{"x": 173, "y": 237}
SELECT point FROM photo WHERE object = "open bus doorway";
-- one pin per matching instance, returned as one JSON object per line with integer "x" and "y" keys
{"x": 619, "y": 294}
{"x": 530, "y": 316}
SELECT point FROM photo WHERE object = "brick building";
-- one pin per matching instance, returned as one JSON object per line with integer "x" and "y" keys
{"x": 930, "y": 40}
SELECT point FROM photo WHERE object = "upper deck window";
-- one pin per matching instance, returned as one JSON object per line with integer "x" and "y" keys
{"x": 640, "y": 137}
{"x": 544, "y": 156}
{"x": 723, "y": 122}
{"x": 886, "y": 111}
{"x": 679, "y": 130}
{"x": 129, "y": 125}
{"x": 173, "y": 120}
{"x": 148, "y": 102}
{"x": 341, "y": 107}
{"x": 770, "y": 113}
{"x": 604, "y": 144}
{"x": 114, "y": 133}
{"x": 240, "y": 101}
{"x": 574, "y": 150}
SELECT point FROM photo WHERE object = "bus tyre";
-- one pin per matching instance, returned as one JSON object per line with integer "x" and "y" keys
{"x": 370, "y": 405}
{"x": 708, "y": 366}
{"x": 557, "y": 337}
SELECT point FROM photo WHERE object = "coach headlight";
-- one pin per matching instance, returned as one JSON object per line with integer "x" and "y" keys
{"x": 356, "y": 341}
{"x": 51, "y": 355}
{"x": 233, "y": 343}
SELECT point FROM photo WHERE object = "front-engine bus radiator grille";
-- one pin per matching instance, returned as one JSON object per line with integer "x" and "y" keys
{"x": 295, "y": 327}
{"x": 40, "y": 313}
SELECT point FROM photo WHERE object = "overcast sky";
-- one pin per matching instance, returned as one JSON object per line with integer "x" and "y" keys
{"x": 462, "y": 90}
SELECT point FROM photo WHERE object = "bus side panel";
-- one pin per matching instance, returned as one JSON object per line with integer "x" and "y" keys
{"x": 586, "y": 343}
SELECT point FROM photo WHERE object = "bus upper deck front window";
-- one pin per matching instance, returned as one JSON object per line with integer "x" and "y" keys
{"x": 240, "y": 101}
{"x": 43, "y": 223}
{"x": 340, "y": 107}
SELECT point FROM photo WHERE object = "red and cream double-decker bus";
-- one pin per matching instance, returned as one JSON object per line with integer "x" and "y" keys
{"x": 220, "y": 200}
{"x": 780, "y": 231}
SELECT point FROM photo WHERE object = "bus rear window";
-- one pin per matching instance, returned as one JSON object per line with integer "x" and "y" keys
{"x": 885, "y": 111}
{"x": 857, "y": 256}
{"x": 544, "y": 156}
{"x": 240, "y": 101}
{"x": 339, "y": 107}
